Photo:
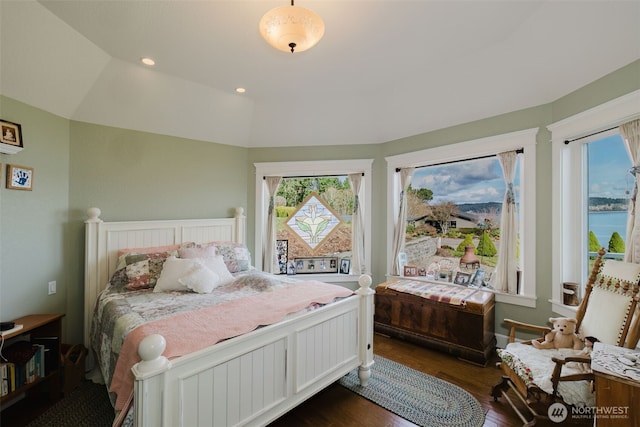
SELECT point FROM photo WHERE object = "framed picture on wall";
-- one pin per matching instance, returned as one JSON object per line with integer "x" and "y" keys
{"x": 10, "y": 133}
{"x": 19, "y": 177}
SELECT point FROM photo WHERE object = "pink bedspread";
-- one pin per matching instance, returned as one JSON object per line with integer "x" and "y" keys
{"x": 195, "y": 330}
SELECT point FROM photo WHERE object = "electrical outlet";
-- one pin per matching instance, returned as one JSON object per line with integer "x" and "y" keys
{"x": 52, "y": 287}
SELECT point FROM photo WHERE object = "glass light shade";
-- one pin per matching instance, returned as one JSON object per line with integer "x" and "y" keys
{"x": 291, "y": 28}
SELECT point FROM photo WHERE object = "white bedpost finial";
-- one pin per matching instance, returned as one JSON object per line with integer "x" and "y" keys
{"x": 94, "y": 215}
{"x": 150, "y": 350}
{"x": 239, "y": 212}
{"x": 365, "y": 281}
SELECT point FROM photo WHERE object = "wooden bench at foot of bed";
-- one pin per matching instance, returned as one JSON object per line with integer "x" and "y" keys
{"x": 450, "y": 318}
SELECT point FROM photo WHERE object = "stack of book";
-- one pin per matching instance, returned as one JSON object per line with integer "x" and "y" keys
{"x": 24, "y": 362}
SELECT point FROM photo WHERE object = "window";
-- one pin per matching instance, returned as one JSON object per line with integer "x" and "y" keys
{"x": 325, "y": 185}
{"x": 453, "y": 205}
{"x": 574, "y": 165}
{"x": 456, "y": 161}
{"x": 609, "y": 185}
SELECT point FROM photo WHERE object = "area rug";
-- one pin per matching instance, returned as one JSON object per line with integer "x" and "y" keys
{"x": 86, "y": 406}
{"x": 415, "y": 396}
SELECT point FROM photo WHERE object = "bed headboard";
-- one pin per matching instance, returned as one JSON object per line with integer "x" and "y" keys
{"x": 104, "y": 239}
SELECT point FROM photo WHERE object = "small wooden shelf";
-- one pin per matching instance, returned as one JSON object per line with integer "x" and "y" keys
{"x": 38, "y": 326}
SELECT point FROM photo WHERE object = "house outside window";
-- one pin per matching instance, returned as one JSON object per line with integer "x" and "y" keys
{"x": 587, "y": 132}
{"x": 452, "y": 206}
{"x": 460, "y": 154}
{"x": 321, "y": 186}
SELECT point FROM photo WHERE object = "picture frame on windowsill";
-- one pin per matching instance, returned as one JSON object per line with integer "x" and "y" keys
{"x": 316, "y": 265}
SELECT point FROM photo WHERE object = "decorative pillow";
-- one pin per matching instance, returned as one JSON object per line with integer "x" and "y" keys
{"x": 216, "y": 265}
{"x": 236, "y": 255}
{"x": 172, "y": 271}
{"x": 124, "y": 256}
{"x": 197, "y": 251}
{"x": 209, "y": 257}
{"x": 143, "y": 270}
{"x": 150, "y": 250}
{"x": 201, "y": 279}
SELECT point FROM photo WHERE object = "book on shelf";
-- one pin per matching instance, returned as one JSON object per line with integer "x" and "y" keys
{"x": 51, "y": 351}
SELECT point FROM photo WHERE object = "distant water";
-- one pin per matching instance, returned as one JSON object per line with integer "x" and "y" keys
{"x": 604, "y": 224}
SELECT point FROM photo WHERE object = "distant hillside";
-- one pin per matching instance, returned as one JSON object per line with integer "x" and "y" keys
{"x": 607, "y": 204}
{"x": 480, "y": 208}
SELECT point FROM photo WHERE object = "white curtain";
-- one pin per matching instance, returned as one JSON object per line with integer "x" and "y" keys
{"x": 357, "y": 226}
{"x": 631, "y": 135}
{"x": 269, "y": 260}
{"x": 400, "y": 228}
{"x": 505, "y": 275}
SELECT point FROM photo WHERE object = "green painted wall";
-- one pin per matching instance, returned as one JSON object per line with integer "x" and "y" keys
{"x": 32, "y": 223}
{"x": 136, "y": 175}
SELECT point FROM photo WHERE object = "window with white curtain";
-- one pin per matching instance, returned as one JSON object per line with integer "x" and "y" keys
{"x": 578, "y": 143}
{"x": 460, "y": 155}
{"x": 314, "y": 176}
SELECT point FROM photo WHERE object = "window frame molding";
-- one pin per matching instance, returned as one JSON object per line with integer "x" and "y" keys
{"x": 311, "y": 168}
{"x": 568, "y": 191}
{"x": 475, "y": 148}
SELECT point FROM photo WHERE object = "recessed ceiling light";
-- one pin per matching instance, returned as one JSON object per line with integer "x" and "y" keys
{"x": 147, "y": 61}
{"x": 240, "y": 90}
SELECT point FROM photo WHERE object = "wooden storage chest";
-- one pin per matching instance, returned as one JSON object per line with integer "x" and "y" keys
{"x": 463, "y": 327}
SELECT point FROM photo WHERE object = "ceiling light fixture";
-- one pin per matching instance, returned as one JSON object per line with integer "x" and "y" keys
{"x": 148, "y": 61}
{"x": 291, "y": 28}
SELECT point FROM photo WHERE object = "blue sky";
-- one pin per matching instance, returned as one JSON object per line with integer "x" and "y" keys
{"x": 464, "y": 182}
{"x": 608, "y": 168}
{"x": 481, "y": 180}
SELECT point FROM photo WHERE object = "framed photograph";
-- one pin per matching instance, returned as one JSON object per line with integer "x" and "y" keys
{"x": 10, "y": 133}
{"x": 291, "y": 268}
{"x": 282, "y": 252}
{"x": 478, "y": 278}
{"x": 345, "y": 265}
{"x": 410, "y": 271}
{"x": 402, "y": 261}
{"x": 422, "y": 271}
{"x": 19, "y": 177}
{"x": 316, "y": 265}
{"x": 444, "y": 276}
{"x": 462, "y": 278}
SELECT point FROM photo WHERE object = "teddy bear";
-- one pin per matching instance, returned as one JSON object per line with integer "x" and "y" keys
{"x": 563, "y": 335}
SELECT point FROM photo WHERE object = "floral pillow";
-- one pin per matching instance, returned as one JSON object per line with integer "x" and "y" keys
{"x": 236, "y": 255}
{"x": 143, "y": 270}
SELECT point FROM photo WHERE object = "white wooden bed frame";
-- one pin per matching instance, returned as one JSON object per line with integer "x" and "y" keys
{"x": 248, "y": 380}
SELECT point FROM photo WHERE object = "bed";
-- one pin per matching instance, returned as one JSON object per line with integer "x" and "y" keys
{"x": 246, "y": 379}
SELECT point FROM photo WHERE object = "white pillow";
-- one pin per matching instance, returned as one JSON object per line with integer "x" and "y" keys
{"x": 217, "y": 265}
{"x": 201, "y": 280}
{"x": 172, "y": 270}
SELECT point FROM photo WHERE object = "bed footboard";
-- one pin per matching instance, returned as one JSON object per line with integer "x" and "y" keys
{"x": 255, "y": 378}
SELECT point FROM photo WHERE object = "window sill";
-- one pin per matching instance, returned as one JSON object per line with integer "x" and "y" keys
{"x": 330, "y": 278}
{"x": 521, "y": 300}
{"x": 563, "y": 310}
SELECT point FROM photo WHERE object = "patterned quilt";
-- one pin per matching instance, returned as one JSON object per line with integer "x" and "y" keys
{"x": 119, "y": 312}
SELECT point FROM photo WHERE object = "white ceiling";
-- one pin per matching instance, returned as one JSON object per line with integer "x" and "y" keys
{"x": 384, "y": 69}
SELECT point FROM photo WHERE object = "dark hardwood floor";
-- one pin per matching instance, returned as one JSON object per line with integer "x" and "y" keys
{"x": 337, "y": 406}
